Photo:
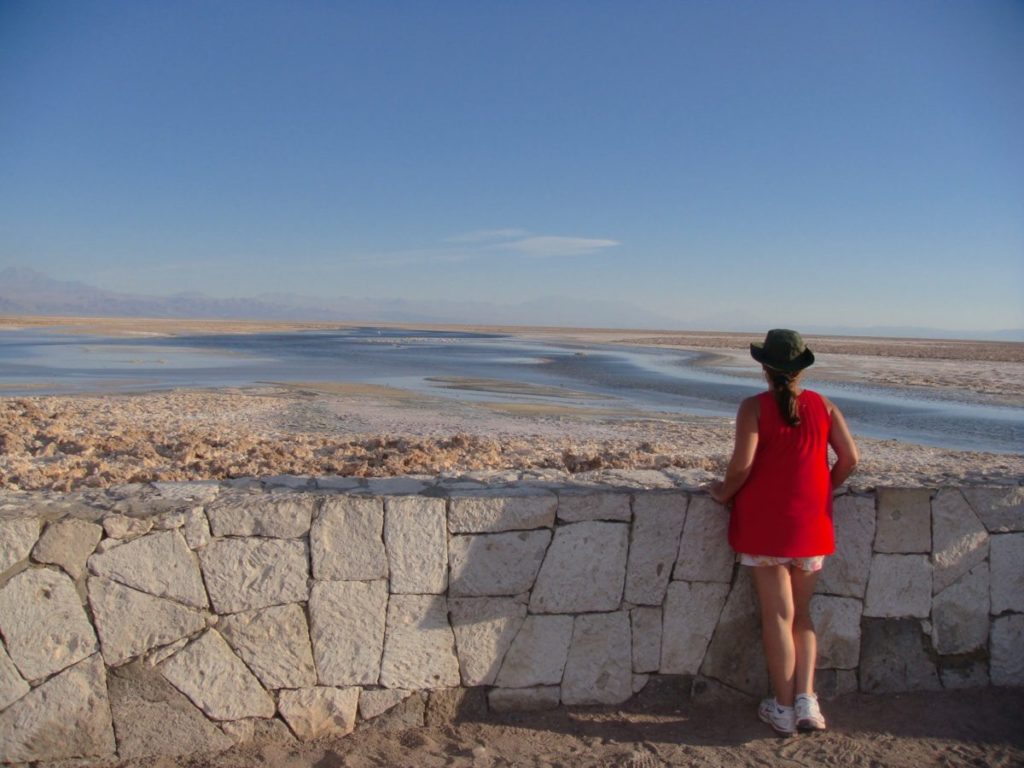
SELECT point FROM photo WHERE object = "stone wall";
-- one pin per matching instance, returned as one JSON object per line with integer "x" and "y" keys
{"x": 175, "y": 618}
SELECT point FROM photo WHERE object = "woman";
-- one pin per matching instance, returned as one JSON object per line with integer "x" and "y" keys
{"x": 780, "y": 486}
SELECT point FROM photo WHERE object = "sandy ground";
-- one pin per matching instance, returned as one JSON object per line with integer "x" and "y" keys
{"x": 953, "y": 728}
{"x": 63, "y": 443}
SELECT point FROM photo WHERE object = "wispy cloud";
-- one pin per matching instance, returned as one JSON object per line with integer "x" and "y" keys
{"x": 555, "y": 246}
{"x": 481, "y": 243}
{"x": 524, "y": 243}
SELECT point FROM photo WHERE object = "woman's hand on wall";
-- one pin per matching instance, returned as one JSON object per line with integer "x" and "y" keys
{"x": 717, "y": 491}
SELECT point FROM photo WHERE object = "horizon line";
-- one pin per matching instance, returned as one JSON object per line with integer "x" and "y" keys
{"x": 55, "y": 320}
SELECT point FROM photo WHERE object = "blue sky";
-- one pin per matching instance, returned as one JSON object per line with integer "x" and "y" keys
{"x": 724, "y": 164}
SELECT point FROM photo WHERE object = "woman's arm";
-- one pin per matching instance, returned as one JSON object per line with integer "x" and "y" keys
{"x": 841, "y": 440}
{"x": 742, "y": 453}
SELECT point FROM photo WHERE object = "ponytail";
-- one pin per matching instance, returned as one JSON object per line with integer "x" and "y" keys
{"x": 783, "y": 385}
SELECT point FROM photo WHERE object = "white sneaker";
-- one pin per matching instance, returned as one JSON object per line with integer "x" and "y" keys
{"x": 781, "y": 719}
{"x": 808, "y": 713}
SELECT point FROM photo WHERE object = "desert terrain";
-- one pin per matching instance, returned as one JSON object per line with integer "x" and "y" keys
{"x": 331, "y": 427}
{"x": 64, "y": 443}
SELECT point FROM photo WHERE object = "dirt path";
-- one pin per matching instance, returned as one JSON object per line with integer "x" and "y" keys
{"x": 949, "y": 728}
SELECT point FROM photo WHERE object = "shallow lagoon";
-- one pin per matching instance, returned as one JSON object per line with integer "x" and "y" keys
{"x": 475, "y": 366}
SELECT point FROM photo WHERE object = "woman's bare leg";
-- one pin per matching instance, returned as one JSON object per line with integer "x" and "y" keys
{"x": 805, "y": 642}
{"x": 775, "y": 595}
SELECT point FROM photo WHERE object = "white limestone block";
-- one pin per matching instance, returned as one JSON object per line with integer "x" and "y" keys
{"x": 899, "y": 585}
{"x": 416, "y": 540}
{"x": 347, "y": 539}
{"x": 894, "y": 657}
{"x": 373, "y": 703}
{"x": 575, "y": 506}
{"x": 599, "y": 669}
{"x": 960, "y": 540}
{"x": 196, "y": 529}
{"x": 654, "y": 543}
{"x": 160, "y": 564}
{"x": 239, "y": 732}
{"x": 641, "y": 479}
{"x": 171, "y": 520}
{"x": 493, "y": 511}
{"x": 489, "y": 477}
{"x": 274, "y": 642}
{"x": 537, "y": 699}
{"x": 17, "y": 537}
{"x": 904, "y": 521}
{"x": 130, "y": 622}
{"x": 68, "y": 716}
{"x": 734, "y": 657}
{"x": 12, "y": 684}
{"x": 1001, "y": 509}
{"x": 495, "y": 564}
{"x": 584, "y": 569}
{"x": 1006, "y": 650}
{"x": 245, "y": 574}
{"x": 704, "y": 551}
{"x": 538, "y": 653}
{"x": 196, "y": 491}
{"x": 286, "y": 483}
{"x": 338, "y": 483}
{"x": 106, "y": 545}
{"x": 646, "y": 627}
{"x": 846, "y": 572}
{"x": 154, "y": 657}
{"x": 394, "y": 486}
{"x": 267, "y": 731}
{"x": 1007, "y": 556}
{"x": 279, "y": 516}
{"x": 837, "y": 621}
{"x": 43, "y": 623}
{"x": 419, "y": 645}
{"x": 126, "y": 527}
{"x": 960, "y": 613}
{"x": 216, "y": 680}
{"x": 153, "y": 719}
{"x": 243, "y": 483}
{"x": 313, "y": 713}
{"x": 690, "y": 615}
{"x": 484, "y": 629}
{"x": 689, "y": 479}
{"x": 347, "y": 620}
{"x": 68, "y": 543}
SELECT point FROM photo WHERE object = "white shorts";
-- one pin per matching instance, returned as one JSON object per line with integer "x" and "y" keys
{"x": 810, "y": 564}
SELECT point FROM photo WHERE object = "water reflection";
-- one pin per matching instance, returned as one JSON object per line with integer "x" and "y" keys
{"x": 611, "y": 377}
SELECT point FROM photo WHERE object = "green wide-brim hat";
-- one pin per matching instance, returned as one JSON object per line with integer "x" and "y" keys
{"x": 782, "y": 350}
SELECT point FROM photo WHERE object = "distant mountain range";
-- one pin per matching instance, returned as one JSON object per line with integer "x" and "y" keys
{"x": 25, "y": 291}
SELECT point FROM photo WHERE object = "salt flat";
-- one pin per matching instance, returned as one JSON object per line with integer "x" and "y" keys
{"x": 64, "y": 442}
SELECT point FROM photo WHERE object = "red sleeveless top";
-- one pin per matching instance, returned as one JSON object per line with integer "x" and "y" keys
{"x": 784, "y": 509}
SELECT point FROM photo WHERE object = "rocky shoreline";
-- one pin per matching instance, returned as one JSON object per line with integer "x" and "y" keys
{"x": 96, "y": 441}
